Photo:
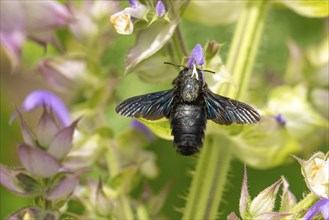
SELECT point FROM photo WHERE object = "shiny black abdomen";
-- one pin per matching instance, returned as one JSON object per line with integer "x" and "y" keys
{"x": 188, "y": 122}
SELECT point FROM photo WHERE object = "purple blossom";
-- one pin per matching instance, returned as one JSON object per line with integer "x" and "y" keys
{"x": 142, "y": 128}
{"x": 49, "y": 100}
{"x": 134, "y": 3}
{"x": 321, "y": 206}
{"x": 197, "y": 57}
{"x": 160, "y": 8}
{"x": 279, "y": 118}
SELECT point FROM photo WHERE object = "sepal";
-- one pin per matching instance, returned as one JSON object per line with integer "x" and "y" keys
{"x": 38, "y": 162}
{"x": 17, "y": 181}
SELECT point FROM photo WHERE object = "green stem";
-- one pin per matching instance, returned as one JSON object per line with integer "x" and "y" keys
{"x": 299, "y": 210}
{"x": 213, "y": 164}
{"x": 245, "y": 44}
{"x": 209, "y": 180}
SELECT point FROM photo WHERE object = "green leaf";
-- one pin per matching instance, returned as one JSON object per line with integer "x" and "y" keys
{"x": 160, "y": 127}
{"x": 123, "y": 181}
{"x": 292, "y": 104}
{"x": 149, "y": 41}
{"x": 264, "y": 145}
{"x": 315, "y": 8}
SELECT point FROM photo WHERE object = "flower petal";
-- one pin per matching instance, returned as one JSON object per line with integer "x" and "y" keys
{"x": 62, "y": 73}
{"x": 45, "y": 15}
{"x": 122, "y": 23}
{"x": 160, "y": 8}
{"x": 319, "y": 206}
{"x": 38, "y": 162}
{"x": 197, "y": 57}
{"x": 143, "y": 129}
{"x": 18, "y": 182}
{"x": 315, "y": 172}
{"x": 149, "y": 41}
{"x": 12, "y": 32}
{"x": 44, "y": 98}
{"x": 62, "y": 142}
{"x": 280, "y": 119}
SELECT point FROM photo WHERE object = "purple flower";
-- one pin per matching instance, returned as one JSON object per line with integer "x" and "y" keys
{"x": 142, "y": 128}
{"x": 196, "y": 59}
{"x": 280, "y": 119}
{"x": 49, "y": 100}
{"x": 321, "y": 206}
{"x": 160, "y": 8}
{"x": 134, "y": 3}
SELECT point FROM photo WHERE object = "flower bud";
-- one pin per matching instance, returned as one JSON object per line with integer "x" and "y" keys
{"x": 122, "y": 23}
{"x": 264, "y": 201}
{"x": 160, "y": 8}
{"x": 63, "y": 73}
{"x": 122, "y": 20}
{"x": 315, "y": 171}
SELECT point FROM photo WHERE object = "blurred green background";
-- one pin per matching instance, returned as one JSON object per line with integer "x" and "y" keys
{"x": 281, "y": 25}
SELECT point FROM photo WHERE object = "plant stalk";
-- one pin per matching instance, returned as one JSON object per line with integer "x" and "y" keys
{"x": 246, "y": 40}
{"x": 213, "y": 164}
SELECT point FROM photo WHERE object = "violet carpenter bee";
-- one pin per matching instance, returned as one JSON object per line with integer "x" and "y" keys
{"x": 188, "y": 106}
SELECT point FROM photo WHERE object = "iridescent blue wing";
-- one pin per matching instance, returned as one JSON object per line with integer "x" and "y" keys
{"x": 150, "y": 106}
{"x": 225, "y": 111}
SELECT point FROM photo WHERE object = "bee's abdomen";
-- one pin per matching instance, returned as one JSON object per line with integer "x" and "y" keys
{"x": 188, "y": 123}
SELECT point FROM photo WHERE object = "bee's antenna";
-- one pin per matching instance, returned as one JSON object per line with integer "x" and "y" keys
{"x": 174, "y": 64}
{"x": 179, "y": 65}
{"x": 209, "y": 71}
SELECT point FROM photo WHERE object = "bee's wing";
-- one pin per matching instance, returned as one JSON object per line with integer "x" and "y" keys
{"x": 150, "y": 106}
{"x": 226, "y": 111}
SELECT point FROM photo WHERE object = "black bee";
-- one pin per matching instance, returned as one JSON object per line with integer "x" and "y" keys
{"x": 188, "y": 106}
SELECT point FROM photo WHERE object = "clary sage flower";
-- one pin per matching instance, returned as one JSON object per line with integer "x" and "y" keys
{"x": 63, "y": 73}
{"x": 91, "y": 18}
{"x": 316, "y": 173}
{"x": 41, "y": 98}
{"x": 123, "y": 20}
{"x": 196, "y": 59}
{"x": 34, "y": 20}
{"x": 41, "y": 155}
{"x": 160, "y": 9}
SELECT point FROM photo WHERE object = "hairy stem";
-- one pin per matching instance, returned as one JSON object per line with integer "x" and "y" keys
{"x": 213, "y": 164}
{"x": 300, "y": 209}
{"x": 209, "y": 180}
